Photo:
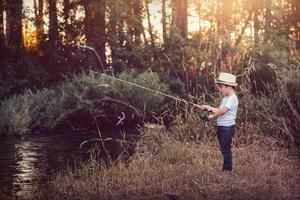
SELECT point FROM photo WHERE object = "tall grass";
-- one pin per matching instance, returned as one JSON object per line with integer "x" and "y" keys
{"x": 277, "y": 114}
{"x": 165, "y": 167}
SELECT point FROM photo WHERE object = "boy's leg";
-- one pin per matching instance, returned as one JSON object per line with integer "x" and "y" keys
{"x": 225, "y": 139}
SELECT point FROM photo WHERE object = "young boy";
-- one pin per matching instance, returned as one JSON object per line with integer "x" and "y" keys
{"x": 225, "y": 115}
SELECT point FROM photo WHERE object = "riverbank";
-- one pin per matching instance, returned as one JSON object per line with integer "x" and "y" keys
{"x": 167, "y": 167}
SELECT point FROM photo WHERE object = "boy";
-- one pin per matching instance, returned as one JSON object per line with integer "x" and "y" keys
{"x": 225, "y": 115}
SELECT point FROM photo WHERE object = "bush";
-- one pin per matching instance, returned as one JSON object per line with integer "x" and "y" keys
{"x": 15, "y": 114}
{"x": 48, "y": 108}
{"x": 143, "y": 100}
{"x": 16, "y": 76}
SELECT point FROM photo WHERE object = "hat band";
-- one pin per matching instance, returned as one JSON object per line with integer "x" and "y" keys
{"x": 225, "y": 82}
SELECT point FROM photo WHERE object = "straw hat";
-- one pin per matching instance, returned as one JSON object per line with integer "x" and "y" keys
{"x": 226, "y": 79}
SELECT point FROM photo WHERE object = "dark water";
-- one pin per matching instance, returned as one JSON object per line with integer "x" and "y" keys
{"x": 27, "y": 162}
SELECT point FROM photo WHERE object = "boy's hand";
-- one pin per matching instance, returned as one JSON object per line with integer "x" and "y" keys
{"x": 206, "y": 117}
{"x": 209, "y": 108}
{"x": 205, "y": 107}
{"x": 210, "y": 117}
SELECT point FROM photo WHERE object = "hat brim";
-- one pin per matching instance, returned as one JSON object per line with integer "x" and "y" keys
{"x": 226, "y": 83}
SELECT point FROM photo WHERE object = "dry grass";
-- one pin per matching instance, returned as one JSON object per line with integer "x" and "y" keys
{"x": 165, "y": 167}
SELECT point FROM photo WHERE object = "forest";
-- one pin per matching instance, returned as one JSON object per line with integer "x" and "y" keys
{"x": 61, "y": 66}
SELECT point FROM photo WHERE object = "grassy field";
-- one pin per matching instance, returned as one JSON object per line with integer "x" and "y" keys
{"x": 167, "y": 167}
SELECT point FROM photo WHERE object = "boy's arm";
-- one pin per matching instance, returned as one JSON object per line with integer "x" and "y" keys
{"x": 209, "y": 108}
{"x": 218, "y": 112}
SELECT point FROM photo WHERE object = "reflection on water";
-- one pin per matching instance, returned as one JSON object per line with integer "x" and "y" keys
{"x": 26, "y": 162}
{"x": 25, "y": 167}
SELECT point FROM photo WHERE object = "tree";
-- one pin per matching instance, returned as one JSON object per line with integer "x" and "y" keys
{"x": 66, "y": 16}
{"x": 114, "y": 26}
{"x": 179, "y": 16}
{"x": 150, "y": 25}
{"x": 224, "y": 14}
{"x": 268, "y": 21}
{"x": 14, "y": 27}
{"x": 2, "y": 35}
{"x": 164, "y": 21}
{"x": 138, "y": 27}
{"x": 95, "y": 26}
{"x": 239, "y": 39}
{"x": 39, "y": 21}
{"x": 53, "y": 26}
{"x": 294, "y": 20}
{"x": 256, "y": 26}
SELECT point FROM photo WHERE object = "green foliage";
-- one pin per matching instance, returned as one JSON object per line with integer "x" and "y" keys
{"x": 16, "y": 76}
{"x": 142, "y": 99}
{"x": 15, "y": 114}
{"x": 177, "y": 87}
{"x": 47, "y": 108}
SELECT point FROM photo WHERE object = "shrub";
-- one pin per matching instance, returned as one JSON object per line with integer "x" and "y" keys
{"x": 142, "y": 99}
{"x": 15, "y": 114}
{"x": 47, "y": 108}
{"x": 17, "y": 76}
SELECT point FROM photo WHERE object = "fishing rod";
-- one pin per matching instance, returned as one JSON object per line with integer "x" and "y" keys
{"x": 134, "y": 84}
{"x": 149, "y": 89}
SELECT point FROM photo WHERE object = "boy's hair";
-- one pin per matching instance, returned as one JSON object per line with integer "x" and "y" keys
{"x": 233, "y": 87}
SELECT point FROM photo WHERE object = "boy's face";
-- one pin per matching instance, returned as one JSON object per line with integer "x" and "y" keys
{"x": 224, "y": 89}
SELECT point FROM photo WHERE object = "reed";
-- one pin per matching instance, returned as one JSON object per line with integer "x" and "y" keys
{"x": 165, "y": 167}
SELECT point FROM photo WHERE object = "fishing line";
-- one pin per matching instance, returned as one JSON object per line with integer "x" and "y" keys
{"x": 134, "y": 84}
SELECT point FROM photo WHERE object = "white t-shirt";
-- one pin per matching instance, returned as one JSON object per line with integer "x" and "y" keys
{"x": 228, "y": 119}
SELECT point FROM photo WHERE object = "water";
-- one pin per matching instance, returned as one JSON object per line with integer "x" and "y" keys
{"x": 26, "y": 162}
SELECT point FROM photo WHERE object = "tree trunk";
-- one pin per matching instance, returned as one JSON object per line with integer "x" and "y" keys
{"x": 39, "y": 22}
{"x": 256, "y": 28}
{"x": 224, "y": 24}
{"x": 138, "y": 25}
{"x": 114, "y": 36}
{"x": 95, "y": 26}
{"x": 213, "y": 21}
{"x": 53, "y": 26}
{"x": 67, "y": 27}
{"x": 121, "y": 26}
{"x": 268, "y": 19}
{"x": 179, "y": 16}
{"x": 2, "y": 35}
{"x": 150, "y": 25}
{"x": 128, "y": 20}
{"x": 199, "y": 16}
{"x": 14, "y": 28}
{"x": 112, "y": 28}
{"x": 294, "y": 19}
{"x": 239, "y": 39}
{"x": 164, "y": 21}
{"x": 226, "y": 21}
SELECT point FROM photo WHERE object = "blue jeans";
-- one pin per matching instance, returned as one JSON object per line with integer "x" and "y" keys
{"x": 225, "y": 135}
